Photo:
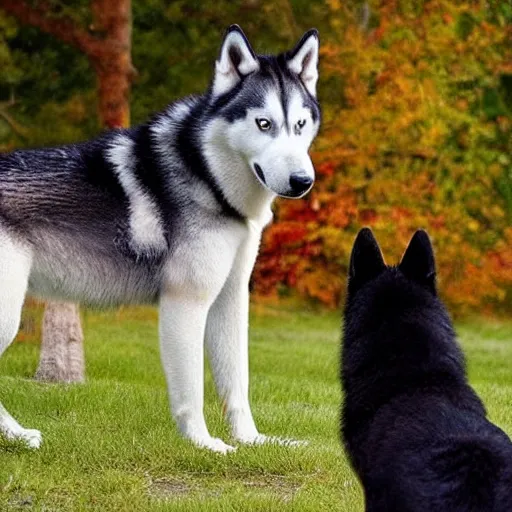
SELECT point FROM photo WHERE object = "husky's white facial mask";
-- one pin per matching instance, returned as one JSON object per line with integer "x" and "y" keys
{"x": 265, "y": 114}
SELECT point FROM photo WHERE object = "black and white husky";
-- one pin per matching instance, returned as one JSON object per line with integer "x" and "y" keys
{"x": 169, "y": 212}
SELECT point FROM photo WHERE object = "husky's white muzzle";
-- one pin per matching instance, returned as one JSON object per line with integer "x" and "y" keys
{"x": 287, "y": 175}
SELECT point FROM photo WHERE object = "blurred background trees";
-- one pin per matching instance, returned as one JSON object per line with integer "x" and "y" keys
{"x": 417, "y": 132}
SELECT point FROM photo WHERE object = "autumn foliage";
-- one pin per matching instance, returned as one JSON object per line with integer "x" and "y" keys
{"x": 417, "y": 133}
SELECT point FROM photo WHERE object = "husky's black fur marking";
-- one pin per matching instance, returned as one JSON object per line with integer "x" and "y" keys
{"x": 251, "y": 91}
{"x": 148, "y": 170}
{"x": 415, "y": 431}
{"x": 273, "y": 73}
{"x": 98, "y": 170}
{"x": 189, "y": 150}
{"x": 77, "y": 170}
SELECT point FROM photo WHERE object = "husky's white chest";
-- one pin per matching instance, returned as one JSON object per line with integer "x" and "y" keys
{"x": 199, "y": 263}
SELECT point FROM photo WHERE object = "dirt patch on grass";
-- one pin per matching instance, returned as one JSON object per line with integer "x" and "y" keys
{"x": 170, "y": 489}
{"x": 20, "y": 503}
{"x": 280, "y": 486}
{"x": 164, "y": 489}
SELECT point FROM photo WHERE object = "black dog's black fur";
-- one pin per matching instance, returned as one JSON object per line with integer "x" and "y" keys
{"x": 415, "y": 431}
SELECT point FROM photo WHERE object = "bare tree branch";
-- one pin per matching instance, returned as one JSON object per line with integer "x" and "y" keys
{"x": 4, "y": 105}
{"x": 15, "y": 126}
{"x": 364, "y": 17}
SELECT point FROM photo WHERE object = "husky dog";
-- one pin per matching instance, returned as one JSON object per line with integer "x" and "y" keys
{"x": 170, "y": 212}
{"x": 415, "y": 431}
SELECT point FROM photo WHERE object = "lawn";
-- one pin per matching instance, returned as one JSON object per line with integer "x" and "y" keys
{"x": 110, "y": 445}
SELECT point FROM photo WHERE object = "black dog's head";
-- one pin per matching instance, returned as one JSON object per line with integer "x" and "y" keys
{"x": 367, "y": 264}
{"x": 395, "y": 327}
{"x": 377, "y": 292}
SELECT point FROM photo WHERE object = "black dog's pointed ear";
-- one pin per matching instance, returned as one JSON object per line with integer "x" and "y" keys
{"x": 418, "y": 262}
{"x": 303, "y": 60}
{"x": 236, "y": 60}
{"x": 366, "y": 261}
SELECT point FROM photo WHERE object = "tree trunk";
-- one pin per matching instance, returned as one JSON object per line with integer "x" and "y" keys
{"x": 62, "y": 354}
{"x": 113, "y": 65}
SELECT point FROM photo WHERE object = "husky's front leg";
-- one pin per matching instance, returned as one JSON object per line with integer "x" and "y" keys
{"x": 228, "y": 347}
{"x": 227, "y": 344}
{"x": 182, "y": 327}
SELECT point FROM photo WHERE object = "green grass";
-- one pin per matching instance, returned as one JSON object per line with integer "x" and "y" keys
{"x": 110, "y": 445}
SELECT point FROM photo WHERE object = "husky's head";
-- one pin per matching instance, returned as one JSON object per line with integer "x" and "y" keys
{"x": 265, "y": 114}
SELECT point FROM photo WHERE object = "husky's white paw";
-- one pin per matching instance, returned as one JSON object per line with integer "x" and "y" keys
{"x": 214, "y": 444}
{"x": 263, "y": 439}
{"x": 31, "y": 437}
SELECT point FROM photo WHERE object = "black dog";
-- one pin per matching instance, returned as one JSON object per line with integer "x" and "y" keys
{"x": 415, "y": 431}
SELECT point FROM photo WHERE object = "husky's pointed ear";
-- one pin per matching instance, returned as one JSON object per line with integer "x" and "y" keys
{"x": 303, "y": 60}
{"x": 418, "y": 261}
{"x": 236, "y": 60}
{"x": 366, "y": 261}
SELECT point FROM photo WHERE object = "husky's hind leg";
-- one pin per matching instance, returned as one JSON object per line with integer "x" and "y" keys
{"x": 14, "y": 271}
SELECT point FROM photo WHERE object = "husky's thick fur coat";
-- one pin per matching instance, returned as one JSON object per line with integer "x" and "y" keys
{"x": 170, "y": 212}
{"x": 416, "y": 433}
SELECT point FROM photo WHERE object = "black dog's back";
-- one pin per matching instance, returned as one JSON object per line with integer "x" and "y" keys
{"x": 415, "y": 431}
{"x": 428, "y": 454}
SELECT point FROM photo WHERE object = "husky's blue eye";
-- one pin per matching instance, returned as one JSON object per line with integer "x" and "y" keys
{"x": 263, "y": 124}
{"x": 301, "y": 123}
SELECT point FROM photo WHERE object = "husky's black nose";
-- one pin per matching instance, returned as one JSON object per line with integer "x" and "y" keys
{"x": 300, "y": 182}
